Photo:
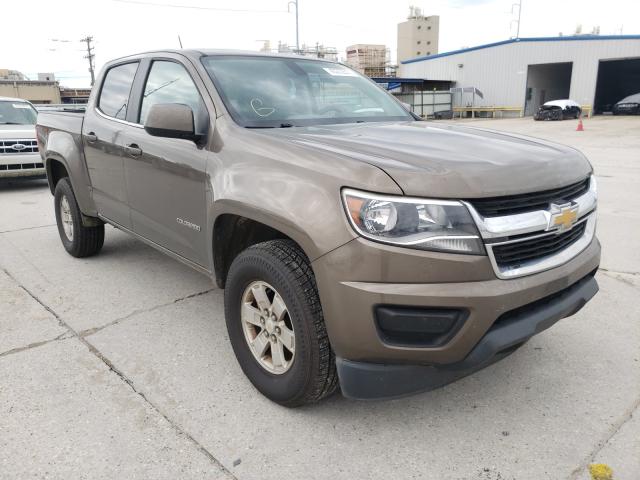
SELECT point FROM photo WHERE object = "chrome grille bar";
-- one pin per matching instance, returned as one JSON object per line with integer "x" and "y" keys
{"x": 526, "y": 228}
{"x": 18, "y": 146}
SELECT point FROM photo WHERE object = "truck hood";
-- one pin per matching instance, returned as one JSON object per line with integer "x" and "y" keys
{"x": 448, "y": 161}
{"x": 17, "y": 132}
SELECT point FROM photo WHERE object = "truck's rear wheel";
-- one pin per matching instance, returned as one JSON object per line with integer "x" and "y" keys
{"x": 275, "y": 324}
{"x": 78, "y": 240}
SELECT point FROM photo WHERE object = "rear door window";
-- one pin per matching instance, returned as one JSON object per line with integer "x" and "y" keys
{"x": 114, "y": 96}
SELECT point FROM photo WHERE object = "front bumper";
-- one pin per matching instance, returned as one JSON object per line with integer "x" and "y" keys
{"x": 548, "y": 115}
{"x": 362, "y": 380}
{"x": 626, "y": 110}
{"x": 21, "y": 165}
{"x": 361, "y": 275}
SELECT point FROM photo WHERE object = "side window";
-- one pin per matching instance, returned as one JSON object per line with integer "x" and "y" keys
{"x": 169, "y": 82}
{"x": 116, "y": 87}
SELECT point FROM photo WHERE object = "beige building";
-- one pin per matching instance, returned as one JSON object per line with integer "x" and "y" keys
{"x": 34, "y": 91}
{"x": 15, "y": 84}
{"x": 418, "y": 36}
{"x": 370, "y": 60}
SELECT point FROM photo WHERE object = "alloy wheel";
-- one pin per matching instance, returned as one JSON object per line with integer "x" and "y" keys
{"x": 267, "y": 327}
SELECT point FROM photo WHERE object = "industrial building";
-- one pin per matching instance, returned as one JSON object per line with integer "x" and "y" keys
{"x": 521, "y": 74}
{"x": 74, "y": 95}
{"x": 369, "y": 59}
{"x": 314, "y": 51}
{"x": 418, "y": 35}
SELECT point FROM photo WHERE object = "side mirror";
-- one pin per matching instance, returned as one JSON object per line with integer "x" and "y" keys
{"x": 171, "y": 120}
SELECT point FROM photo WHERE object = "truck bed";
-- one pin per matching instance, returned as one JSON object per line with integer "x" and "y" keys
{"x": 70, "y": 122}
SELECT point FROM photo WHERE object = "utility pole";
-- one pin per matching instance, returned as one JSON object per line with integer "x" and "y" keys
{"x": 295, "y": 3}
{"x": 519, "y": 5}
{"x": 88, "y": 39}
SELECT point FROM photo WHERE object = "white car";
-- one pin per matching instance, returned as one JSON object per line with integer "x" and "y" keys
{"x": 558, "y": 110}
{"x": 19, "y": 155}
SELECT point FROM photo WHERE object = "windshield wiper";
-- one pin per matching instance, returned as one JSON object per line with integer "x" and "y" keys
{"x": 12, "y": 123}
{"x": 282, "y": 125}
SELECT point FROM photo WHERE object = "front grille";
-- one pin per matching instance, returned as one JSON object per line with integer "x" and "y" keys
{"x": 528, "y": 202}
{"x": 30, "y": 146}
{"x": 511, "y": 255}
{"x": 21, "y": 166}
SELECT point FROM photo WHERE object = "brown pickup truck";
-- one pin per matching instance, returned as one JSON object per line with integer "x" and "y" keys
{"x": 357, "y": 244}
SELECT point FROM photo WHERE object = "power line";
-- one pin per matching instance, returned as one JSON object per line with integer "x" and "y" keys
{"x": 196, "y": 7}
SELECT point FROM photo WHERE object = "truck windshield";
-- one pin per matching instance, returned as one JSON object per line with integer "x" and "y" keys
{"x": 287, "y": 92}
{"x": 17, "y": 113}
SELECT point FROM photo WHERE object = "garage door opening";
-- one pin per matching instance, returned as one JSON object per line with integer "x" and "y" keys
{"x": 545, "y": 82}
{"x": 616, "y": 79}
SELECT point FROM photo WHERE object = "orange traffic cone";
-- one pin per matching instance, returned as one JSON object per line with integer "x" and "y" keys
{"x": 580, "y": 126}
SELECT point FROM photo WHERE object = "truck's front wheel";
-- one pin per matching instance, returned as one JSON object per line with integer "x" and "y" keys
{"x": 275, "y": 324}
{"x": 78, "y": 240}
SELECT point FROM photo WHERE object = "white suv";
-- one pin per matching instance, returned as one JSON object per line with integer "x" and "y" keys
{"x": 19, "y": 155}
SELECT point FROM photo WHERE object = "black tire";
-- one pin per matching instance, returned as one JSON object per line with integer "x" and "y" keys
{"x": 85, "y": 241}
{"x": 312, "y": 374}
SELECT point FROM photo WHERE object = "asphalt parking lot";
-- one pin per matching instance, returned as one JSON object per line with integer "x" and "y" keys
{"x": 119, "y": 366}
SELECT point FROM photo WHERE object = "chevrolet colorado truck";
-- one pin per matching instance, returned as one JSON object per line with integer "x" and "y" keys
{"x": 19, "y": 155}
{"x": 357, "y": 245}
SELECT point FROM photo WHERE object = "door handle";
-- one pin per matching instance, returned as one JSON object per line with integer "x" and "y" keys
{"x": 91, "y": 137}
{"x": 133, "y": 150}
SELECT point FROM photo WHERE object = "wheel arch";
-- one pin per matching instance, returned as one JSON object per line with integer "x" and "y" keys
{"x": 234, "y": 233}
{"x": 56, "y": 170}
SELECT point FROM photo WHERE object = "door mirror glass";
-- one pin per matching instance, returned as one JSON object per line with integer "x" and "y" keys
{"x": 171, "y": 120}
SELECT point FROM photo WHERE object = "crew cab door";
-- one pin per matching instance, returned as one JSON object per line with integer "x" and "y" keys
{"x": 166, "y": 176}
{"x": 102, "y": 130}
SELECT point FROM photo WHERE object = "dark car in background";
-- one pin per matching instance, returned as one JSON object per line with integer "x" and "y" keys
{"x": 558, "y": 110}
{"x": 628, "y": 106}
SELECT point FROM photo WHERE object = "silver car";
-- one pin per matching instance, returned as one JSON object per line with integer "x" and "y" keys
{"x": 19, "y": 155}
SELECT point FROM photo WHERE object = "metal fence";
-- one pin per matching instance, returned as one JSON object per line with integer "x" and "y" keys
{"x": 427, "y": 103}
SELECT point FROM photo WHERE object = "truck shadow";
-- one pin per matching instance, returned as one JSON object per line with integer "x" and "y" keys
{"x": 22, "y": 184}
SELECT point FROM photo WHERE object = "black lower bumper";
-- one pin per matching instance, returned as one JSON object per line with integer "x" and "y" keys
{"x": 369, "y": 381}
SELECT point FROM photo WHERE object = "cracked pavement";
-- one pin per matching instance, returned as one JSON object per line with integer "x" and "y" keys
{"x": 119, "y": 366}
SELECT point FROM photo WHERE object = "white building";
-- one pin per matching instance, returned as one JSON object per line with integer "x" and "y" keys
{"x": 595, "y": 71}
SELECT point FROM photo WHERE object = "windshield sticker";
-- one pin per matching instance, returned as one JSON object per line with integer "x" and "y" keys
{"x": 21, "y": 105}
{"x": 340, "y": 72}
{"x": 258, "y": 106}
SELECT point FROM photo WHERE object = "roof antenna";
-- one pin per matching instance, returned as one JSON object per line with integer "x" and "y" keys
{"x": 179, "y": 41}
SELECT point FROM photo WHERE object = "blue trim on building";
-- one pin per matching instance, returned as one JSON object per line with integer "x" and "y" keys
{"x": 396, "y": 79}
{"x": 522, "y": 40}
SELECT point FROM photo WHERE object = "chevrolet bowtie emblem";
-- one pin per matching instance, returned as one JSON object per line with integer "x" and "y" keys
{"x": 563, "y": 217}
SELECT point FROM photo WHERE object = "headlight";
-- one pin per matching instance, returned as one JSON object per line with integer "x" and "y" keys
{"x": 439, "y": 225}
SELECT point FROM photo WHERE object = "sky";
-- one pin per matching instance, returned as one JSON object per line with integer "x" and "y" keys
{"x": 49, "y": 41}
